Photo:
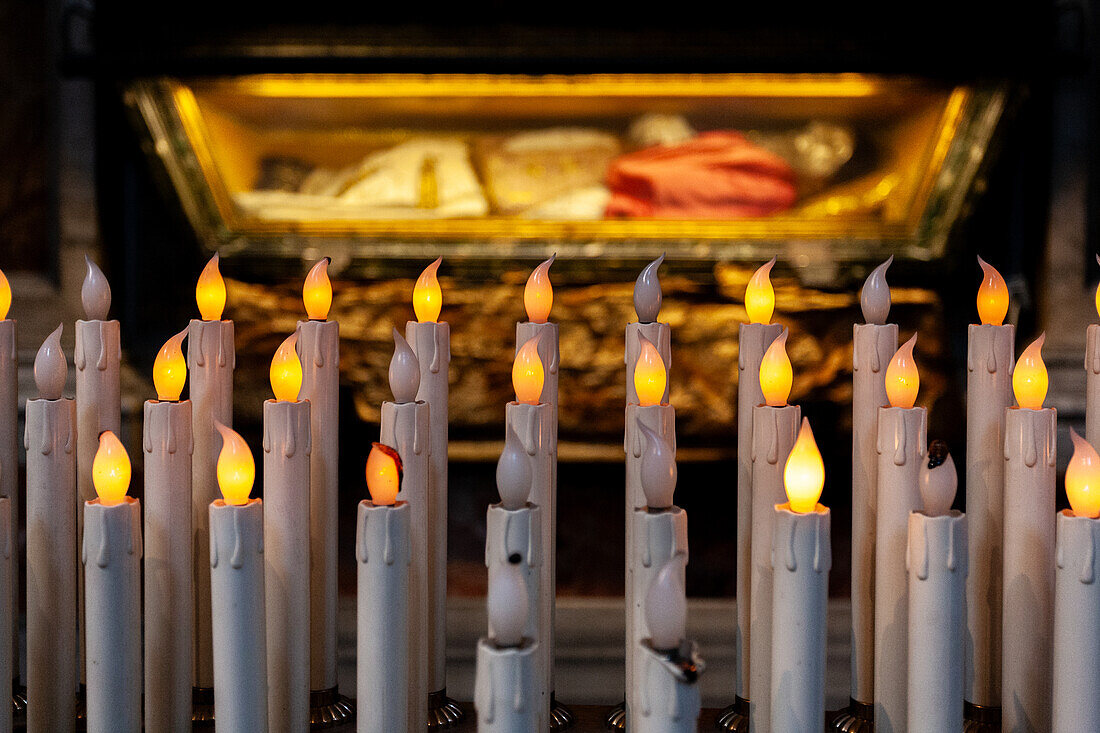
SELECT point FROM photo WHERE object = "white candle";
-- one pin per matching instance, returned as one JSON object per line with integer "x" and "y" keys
{"x": 801, "y": 559}
{"x": 237, "y": 591}
{"x": 50, "y": 441}
{"x": 286, "y": 543}
{"x": 112, "y": 568}
{"x": 1092, "y": 377}
{"x": 873, "y": 343}
{"x": 383, "y": 554}
{"x": 9, "y": 451}
{"x": 405, "y": 428}
{"x": 753, "y": 339}
{"x": 210, "y": 361}
{"x": 319, "y": 351}
{"x": 774, "y": 431}
{"x": 936, "y": 558}
{"x": 988, "y": 392}
{"x": 1076, "y": 682}
{"x": 1030, "y": 475}
{"x": 901, "y": 446}
{"x": 430, "y": 339}
{"x": 7, "y": 610}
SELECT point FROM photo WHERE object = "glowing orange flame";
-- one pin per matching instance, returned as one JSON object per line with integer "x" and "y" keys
{"x": 383, "y": 474}
{"x": 5, "y": 295}
{"x": 538, "y": 294}
{"x": 1029, "y": 378}
{"x": 902, "y": 378}
{"x": 236, "y": 467}
{"x": 992, "y": 296}
{"x": 170, "y": 368}
{"x": 650, "y": 377}
{"x": 804, "y": 474}
{"x": 427, "y": 295}
{"x": 776, "y": 374}
{"x": 210, "y": 291}
{"x": 286, "y": 370}
{"x": 528, "y": 373}
{"x": 1083, "y": 478}
{"x": 317, "y": 291}
{"x": 110, "y": 469}
{"x": 760, "y": 295}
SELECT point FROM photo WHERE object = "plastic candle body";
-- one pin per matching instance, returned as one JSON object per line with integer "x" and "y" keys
{"x": 1092, "y": 381}
{"x": 7, "y": 609}
{"x": 1076, "y": 638}
{"x": 9, "y": 438}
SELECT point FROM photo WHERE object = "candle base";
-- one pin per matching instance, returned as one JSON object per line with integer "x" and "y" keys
{"x": 443, "y": 712}
{"x": 328, "y": 709}
{"x": 734, "y": 717}
{"x": 616, "y": 719}
{"x": 981, "y": 718}
{"x": 858, "y": 717}
{"x": 202, "y": 707}
{"x": 561, "y": 717}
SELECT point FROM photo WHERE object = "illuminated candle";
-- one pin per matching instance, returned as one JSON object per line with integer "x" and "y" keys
{"x": 210, "y": 361}
{"x": 753, "y": 339}
{"x": 1092, "y": 376}
{"x": 50, "y": 440}
{"x": 405, "y": 423}
{"x": 286, "y": 543}
{"x": 989, "y": 364}
{"x": 383, "y": 554}
{"x": 901, "y": 445}
{"x": 647, "y": 306}
{"x": 430, "y": 339}
{"x": 169, "y": 596}
{"x": 9, "y": 449}
{"x": 936, "y": 556}
{"x": 112, "y": 570}
{"x": 774, "y": 431}
{"x": 319, "y": 353}
{"x": 873, "y": 343}
{"x": 1029, "y": 504}
{"x": 1076, "y": 682}
{"x": 237, "y": 591}
{"x": 801, "y": 559}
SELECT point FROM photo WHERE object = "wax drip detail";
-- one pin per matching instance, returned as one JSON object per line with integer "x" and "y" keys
{"x": 95, "y": 293}
{"x": 647, "y": 292}
{"x": 404, "y": 370}
{"x": 513, "y": 472}
{"x": 50, "y": 367}
{"x": 658, "y": 470}
{"x": 874, "y": 298}
{"x": 938, "y": 480}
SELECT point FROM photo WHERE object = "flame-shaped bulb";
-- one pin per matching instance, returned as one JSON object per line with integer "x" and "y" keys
{"x": 647, "y": 292}
{"x": 992, "y": 296}
{"x": 938, "y": 480}
{"x": 874, "y": 298}
{"x": 404, "y": 370}
{"x": 170, "y": 369}
{"x": 1083, "y": 478}
{"x": 658, "y": 470}
{"x": 776, "y": 373}
{"x": 236, "y": 467}
{"x": 317, "y": 291}
{"x": 513, "y": 472}
{"x": 650, "y": 377}
{"x": 286, "y": 370}
{"x": 110, "y": 469}
{"x": 760, "y": 295}
{"x": 427, "y": 295}
{"x": 383, "y": 474}
{"x": 95, "y": 293}
{"x": 804, "y": 473}
{"x": 528, "y": 373}
{"x": 902, "y": 377}
{"x": 1029, "y": 378}
{"x": 5, "y": 296}
{"x": 210, "y": 291}
{"x": 538, "y": 294}
{"x": 507, "y": 604}
{"x": 666, "y": 606}
{"x": 50, "y": 367}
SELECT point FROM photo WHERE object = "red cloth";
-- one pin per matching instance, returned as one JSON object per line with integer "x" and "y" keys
{"x": 715, "y": 175}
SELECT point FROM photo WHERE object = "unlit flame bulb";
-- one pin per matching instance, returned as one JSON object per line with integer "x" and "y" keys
{"x": 513, "y": 472}
{"x": 804, "y": 473}
{"x": 874, "y": 298}
{"x": 902, "y": 378}
{"x": 658, "y": 470}
{"x": 383, "y": 474}
{"x": 759, "y": 295}
{"x": 1029, "y": 378}
{"x": 992, "y": 296}
{"x": 507, "y": 605}
{"x": 286, "y": 370}
{"x": 236, "y": 467}
{"x": 170, "y": 368}
{"x": 210, "y": 291}
{"x": 95, "y": 293}
{"x": 528, "y": 373}
{"x": 776, "y": 374}
{"x": 647, "y": 292}
{"x": 427, "y": 295}
{"x": 650, "y": 378}
{"x": 1083, "y": 478}
{"x": 50, "y": 367}
{"x": 938, "y": 480}
{"x": 317, "y": 291}
{"x": 666, "y": 606}
{"x": 5, "y": 296}
{"x": 110, "y": 469}
{"x": 538, "y": 294}
{"x": 404, "y": 371}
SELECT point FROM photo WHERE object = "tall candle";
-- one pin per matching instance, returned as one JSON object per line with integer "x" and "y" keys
{"x": 112, "y": 568}
{"x": 319, "y": 352}
{"x": 1076, "y": 684}
{"x": 7, "y": 610}
{"x": 936, "y": 557}
{"x": 169, "y": 596}
{"x": 873, "y": 343}
{"x": 1030, "y": 474}
{"x": 1092, "y": 376}
{"x": 774, "y": 431}
{"x": 405, "y": 428}
{"x": 430, "y": 339}
{"x": 988, "y": 392}
{"x": 9, "y": 452}
{"x": 210, "y": 361}
{"x": 286, "y": 543}
{"x": 753, "y": 339}
{"x": 50, "y": 441}
{"x": 383, "y": 554}
{"x": 237, "y": 591}
{"x": 901, "y": 445}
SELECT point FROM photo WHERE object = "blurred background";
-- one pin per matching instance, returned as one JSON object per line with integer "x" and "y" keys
{"x": 150, "y": 136}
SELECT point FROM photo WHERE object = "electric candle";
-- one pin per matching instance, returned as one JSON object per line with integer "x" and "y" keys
{"x": 936, "y": 558}
{"x": 237, "y": 591}
{"x": 1092, "y": 376}
{"x": 430, "y": 339}
{"x": 50, "y": 440}
{"x": 112, "y": 565}
{"x": 647, "y": 306}
{"x": 801, "y": 560}
{"x": 211, "y": 359}
{"x": 1076, "y": 684}
{"x": 989, "y": 365}
{"x": 901, "y": 444}
{"x": 9, "y": 453}
{"x": 383, "y": 554}
{"x": 1029, "y": 504}
{"x": 774, "y": 431}
{"x": 7, "y": 609}
{"x": 169, "y": 596}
